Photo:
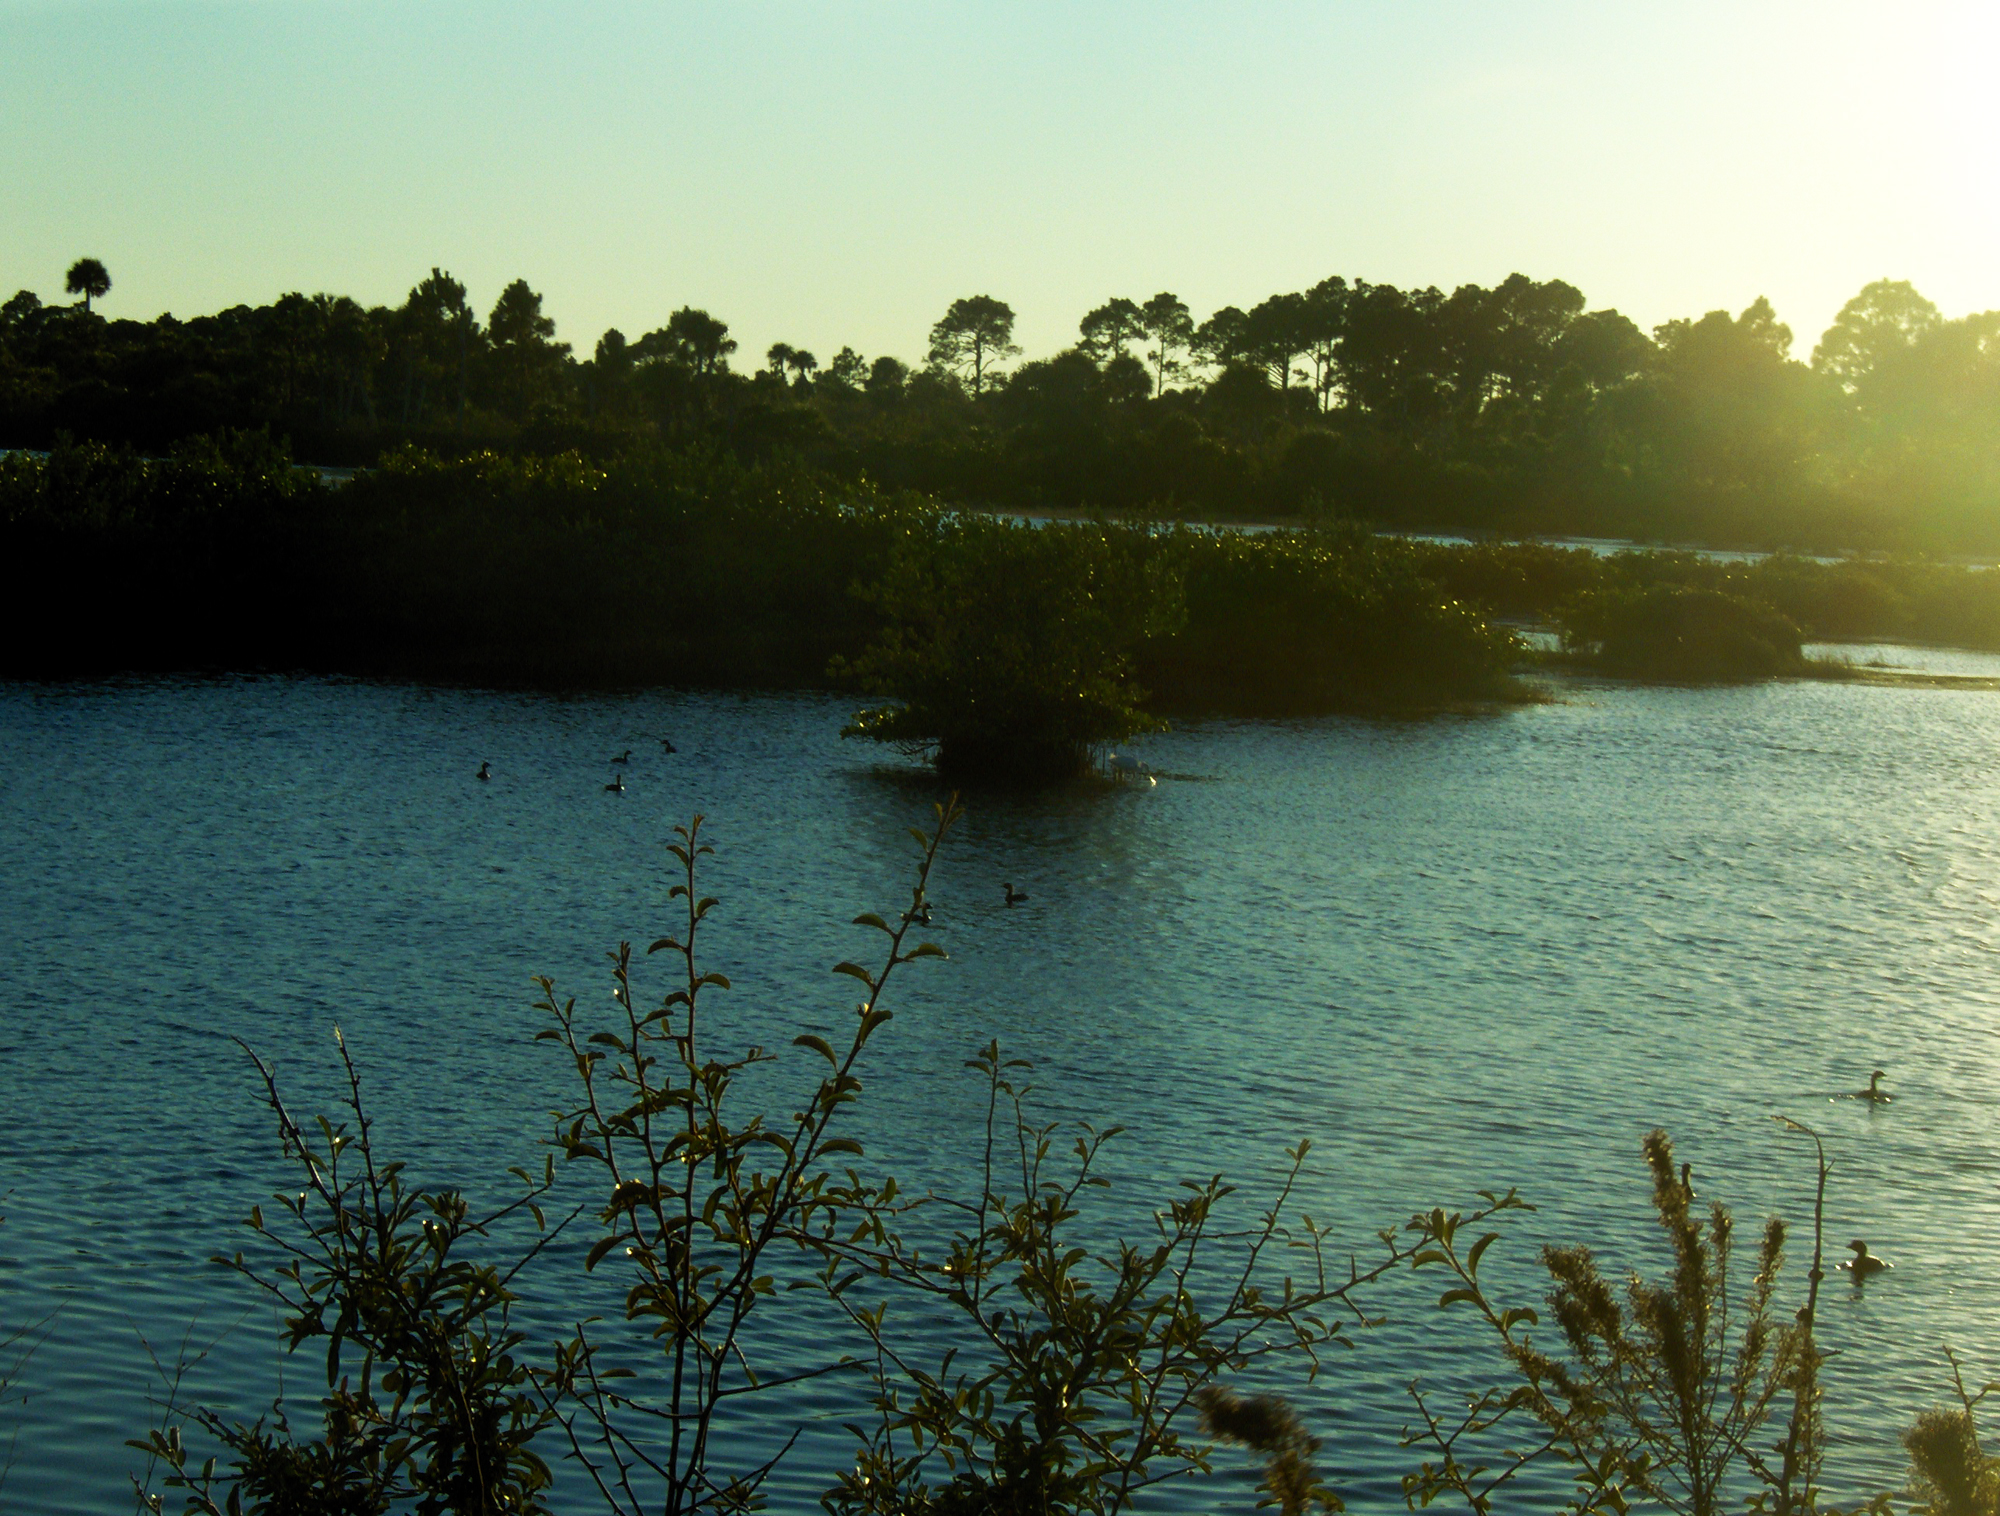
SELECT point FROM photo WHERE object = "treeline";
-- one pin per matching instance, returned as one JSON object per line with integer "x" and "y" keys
{"x": 1512, "y": 409}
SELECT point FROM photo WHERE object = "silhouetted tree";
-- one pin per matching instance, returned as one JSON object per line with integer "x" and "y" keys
{"x": 608, "y": 380}
{"x": 1873, "y": 330}
{"x": 886, "y": 378}
{"x": 1167, "y": 325}
{"x": 1321, "y": 318}
{"x": 435, "y": 334}
{"x": 1274, "y": 333}
{"x": 1392, "y": 359}
{"x": 847, "y": 372}
{"x": 1107, "y": 330}
{"x": 527, "y": 362}
{"x": 699, "y": 340}
{"x": 1728, "y": 405}
{"x": 1605, "y": 348}
{"x": 976, "y": 333}
{"x": 88, "y": 278}
{"x": 1223, "y": 339}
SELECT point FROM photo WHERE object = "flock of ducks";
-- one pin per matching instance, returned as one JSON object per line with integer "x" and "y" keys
{"x": 1864, "y": 1265}
{"x": 617, "y": 784}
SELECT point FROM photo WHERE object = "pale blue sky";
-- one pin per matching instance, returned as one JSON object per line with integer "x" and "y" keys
{"x": 836, "y": 173}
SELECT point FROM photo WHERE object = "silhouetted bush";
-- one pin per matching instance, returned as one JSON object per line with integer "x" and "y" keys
{"x": 1681, "y": 635}
{"x": 1006, "y": 649}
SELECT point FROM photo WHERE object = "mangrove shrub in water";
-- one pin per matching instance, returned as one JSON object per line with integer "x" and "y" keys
{"x": 1673, "y": 633}
{"x": 1298, "y": 622}
{"x": 1007, "y": 649}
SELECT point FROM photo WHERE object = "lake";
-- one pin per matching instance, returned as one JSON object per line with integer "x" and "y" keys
{"x": 1458, "y": 954}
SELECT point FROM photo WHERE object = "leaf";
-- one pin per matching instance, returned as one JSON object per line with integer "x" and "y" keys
{"x": 840, "y": 1145}
{"x": 927, "y": 950}
{"x": 1472, "y": 1258}
{"x": 1518, "y": 1314}
{"x": 855, "y": 971}
{"x": 598, "y": 1249}
{"x": 720, "y": 981}
{"x": 1453, "y": 1297}
{"x": 869, "y": 918}
{"x": 661, "y": 943}
{"x": 819, "y": 1045}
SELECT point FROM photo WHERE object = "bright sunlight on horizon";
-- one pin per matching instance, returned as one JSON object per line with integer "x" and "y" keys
{"x": 837, "y": 174}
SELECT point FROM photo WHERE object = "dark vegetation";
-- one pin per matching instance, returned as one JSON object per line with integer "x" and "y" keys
{"x": 999, "y": 648}
{"x": 1512, "y": 409}
{"x": 1003, "y": 648}
{"x": 649, "y": 515}
{"x": 1000, "y": 1355}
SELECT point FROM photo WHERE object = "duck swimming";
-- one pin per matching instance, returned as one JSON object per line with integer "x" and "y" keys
{"x": 1864, "y": 1264}
{"x": 667, "y": 745}
{"x": 485, "y": 771}
{"x": 617, "y": 784}
{"x": 624, "y": 757}
{"x": 1874, "y": 1094}
{"x": 1014, "y": 896}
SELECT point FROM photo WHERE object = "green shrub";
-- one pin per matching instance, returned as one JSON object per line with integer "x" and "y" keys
{"x": 1319, "y": 621}
{"x": 1681, "y": 635}
{"x": 1007, "y": 649}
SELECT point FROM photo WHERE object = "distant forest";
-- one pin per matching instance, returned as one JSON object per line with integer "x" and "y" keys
{"x": 1511, "y": 410}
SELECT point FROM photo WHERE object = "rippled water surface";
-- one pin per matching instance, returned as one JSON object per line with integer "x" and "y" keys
{"x": 1458, "y": 954}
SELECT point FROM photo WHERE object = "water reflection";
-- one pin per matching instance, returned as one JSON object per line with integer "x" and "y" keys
{"x": 1458, "y": 954}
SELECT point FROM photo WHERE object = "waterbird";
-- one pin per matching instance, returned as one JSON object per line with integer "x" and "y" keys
{"x": 1864, "y": 1264}
{"x": 624, "y": 757}
{"x": 617, "y": 784}
{"x": 1014, "y": 896}
{"x": 1874, "y": 1094}
{"x": 485, "y": 771}
{"x": 667, "y": 745}
{"x": 1687, "y": 1182}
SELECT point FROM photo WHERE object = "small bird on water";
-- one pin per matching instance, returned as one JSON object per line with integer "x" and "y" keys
{"x": 617, "y": 784}
{"x": 1687, "y": 1182}
{"x": 1874, "y": 1094}
{"x": 1864, "y": 1264}
{"x": 624, "y": 757}
{"x": 667, "y": 745}
{"x": 485, "y": 771}
{"x": 1014, "y": 896}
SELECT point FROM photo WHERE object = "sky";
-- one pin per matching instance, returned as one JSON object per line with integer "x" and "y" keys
{"x": 837, "y": 173}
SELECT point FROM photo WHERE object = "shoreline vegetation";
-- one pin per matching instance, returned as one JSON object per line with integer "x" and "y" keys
{"x": 1001, "y": 1353}
{"x": 1001, "y": 649}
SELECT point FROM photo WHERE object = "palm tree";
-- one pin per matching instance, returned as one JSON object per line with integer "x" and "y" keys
{"x": 88, "y": 278}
